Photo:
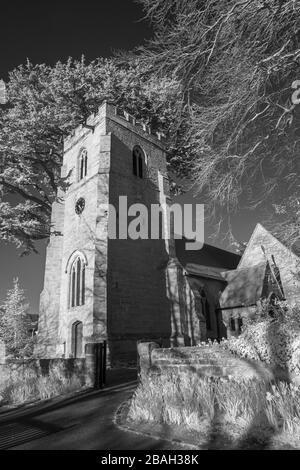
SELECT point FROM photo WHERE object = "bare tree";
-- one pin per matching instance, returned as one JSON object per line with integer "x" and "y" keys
{"x": 238, "y": 62}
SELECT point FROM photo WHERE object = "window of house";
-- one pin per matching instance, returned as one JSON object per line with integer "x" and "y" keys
{"x": 77, "y": 283}
{"x": 232, "y": 324}
{"x": 82, "y": 164}
{"x": 205, "y": 309}
{"x": 138, "y": 161}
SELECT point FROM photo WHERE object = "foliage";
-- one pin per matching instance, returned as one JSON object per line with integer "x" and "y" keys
{"x": 15, "y": 323}
{"x": 275, "y": 341}
{"x": 237, "y": 61}
{"x": 283, "y": 408}
{"x": 234, "y": 408}
{"x": 44, "y": 104}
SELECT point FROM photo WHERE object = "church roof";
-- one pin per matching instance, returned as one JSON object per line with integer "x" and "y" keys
{"x": 208, "y": 256}
{"x": 204, "y": 271}
{"x": 245, "y": 286}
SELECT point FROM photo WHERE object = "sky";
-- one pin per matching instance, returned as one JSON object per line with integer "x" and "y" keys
{"x": 45, "y": 32}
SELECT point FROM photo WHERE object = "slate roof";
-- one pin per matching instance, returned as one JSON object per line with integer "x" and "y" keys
{"x": 244, "y": 287}
{"x": 204, "y": 271}
{"x": 208, "y": 256}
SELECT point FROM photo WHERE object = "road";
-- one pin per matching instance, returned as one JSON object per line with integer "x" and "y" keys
{"x": 82, "y": 422}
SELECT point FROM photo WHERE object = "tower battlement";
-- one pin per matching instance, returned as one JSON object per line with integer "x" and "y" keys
{"x": 110, "y": 111}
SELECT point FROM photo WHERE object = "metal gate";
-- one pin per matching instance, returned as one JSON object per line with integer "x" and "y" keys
{"x": 100, "y": 364}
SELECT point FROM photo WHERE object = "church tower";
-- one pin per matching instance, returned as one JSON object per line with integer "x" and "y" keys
{"x": 96, "y": 287}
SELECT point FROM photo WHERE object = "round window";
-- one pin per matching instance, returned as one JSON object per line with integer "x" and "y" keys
{"x": 79, "y": 206}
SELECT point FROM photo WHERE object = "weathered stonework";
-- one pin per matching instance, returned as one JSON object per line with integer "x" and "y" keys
{"x": 205, "y": 361}
{"x": 125, "y": 288}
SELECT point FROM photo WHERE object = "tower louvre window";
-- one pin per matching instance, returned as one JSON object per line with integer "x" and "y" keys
{"x": 140, "y": 167}
{"x": 77, "y": 283}
{"x": 138, "y": 161}
{"x": 82, "y": 164}
{"x": 134, "y": 164}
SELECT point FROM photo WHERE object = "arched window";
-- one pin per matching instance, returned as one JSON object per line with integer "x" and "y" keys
{"x": 82, "y": 164}
{"x": 77, "y": 282}
{"x": 138, "y": 162}
{"x": 76, "y": 346}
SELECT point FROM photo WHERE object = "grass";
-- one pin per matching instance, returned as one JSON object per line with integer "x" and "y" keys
{"x": 237, "y": 408}
{"x": 30, "y": 386}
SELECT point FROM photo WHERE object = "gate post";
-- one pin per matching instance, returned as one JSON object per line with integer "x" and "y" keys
{"x": 144, "y": 350}
{"x": 95, "y": 357}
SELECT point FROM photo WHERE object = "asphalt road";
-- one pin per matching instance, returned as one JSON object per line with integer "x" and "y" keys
{"x": 82, "y": 422}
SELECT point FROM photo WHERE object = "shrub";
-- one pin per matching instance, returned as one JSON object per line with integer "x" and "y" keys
{"x": 283, "y": 408}
{"x": 31, "y": 386}
{"x": 173, "y": 399}
{"x": 275, "y": 341}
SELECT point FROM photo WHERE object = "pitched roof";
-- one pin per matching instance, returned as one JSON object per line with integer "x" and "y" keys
{"x": 260, "y": 229}
{"x": 208, "y": 256}
{"x": 244, "y": 287}
{"x": 204, "y": 271}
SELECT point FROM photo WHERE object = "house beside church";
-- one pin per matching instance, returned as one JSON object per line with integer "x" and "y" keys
{"x": 268, "y": 270}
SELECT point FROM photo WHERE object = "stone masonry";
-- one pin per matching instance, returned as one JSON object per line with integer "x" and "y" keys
{"x": 125, "y": 286}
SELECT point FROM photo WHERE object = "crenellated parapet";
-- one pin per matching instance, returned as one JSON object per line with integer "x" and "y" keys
{"x": 110, "y": 111}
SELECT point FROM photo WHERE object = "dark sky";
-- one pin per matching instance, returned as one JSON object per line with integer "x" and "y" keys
{"x": 45, "y": 32}
{"x": 51, "y": 31}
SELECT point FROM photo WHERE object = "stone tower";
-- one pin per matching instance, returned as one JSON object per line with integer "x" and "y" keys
{"x": 97, "y": 288}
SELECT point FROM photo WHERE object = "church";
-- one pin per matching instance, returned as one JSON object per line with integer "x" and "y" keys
{"x": 124, "y": 290}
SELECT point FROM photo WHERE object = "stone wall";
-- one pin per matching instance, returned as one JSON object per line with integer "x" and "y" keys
{"x": 50, "y": 296}
{"x": 19, "y": 369}
{"x": 206, "y": 361}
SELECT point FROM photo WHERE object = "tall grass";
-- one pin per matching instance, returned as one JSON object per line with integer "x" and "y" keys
{"x": 195, "y": 402}
{"x": 283, "y": 408}
{"x": 30, "y": 386}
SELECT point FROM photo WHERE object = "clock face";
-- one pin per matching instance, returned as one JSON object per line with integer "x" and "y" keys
{"x": 79, "y": 206}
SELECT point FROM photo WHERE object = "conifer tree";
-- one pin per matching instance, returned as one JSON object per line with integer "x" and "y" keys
{"x": 15, "y": 323}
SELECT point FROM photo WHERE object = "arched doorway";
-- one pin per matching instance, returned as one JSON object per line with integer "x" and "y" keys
{"x": 77, "y": 328}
